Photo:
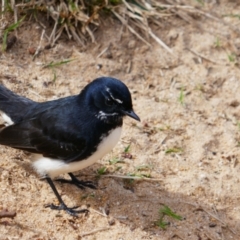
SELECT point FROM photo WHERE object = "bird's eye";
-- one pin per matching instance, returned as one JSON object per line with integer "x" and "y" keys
{"x": 109, "y": 102}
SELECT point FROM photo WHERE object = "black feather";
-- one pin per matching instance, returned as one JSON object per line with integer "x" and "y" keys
{"x": 13, "y": 105}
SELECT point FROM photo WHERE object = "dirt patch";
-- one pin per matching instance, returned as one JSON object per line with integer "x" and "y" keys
{"x": 188, "y": 139}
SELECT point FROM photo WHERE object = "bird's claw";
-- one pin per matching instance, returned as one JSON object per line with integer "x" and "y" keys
{"x": 69, "y": 210}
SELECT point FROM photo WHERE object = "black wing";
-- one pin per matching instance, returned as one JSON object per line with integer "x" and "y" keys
{"x": 13, "y": 105}
{"x": 46, "y": 133}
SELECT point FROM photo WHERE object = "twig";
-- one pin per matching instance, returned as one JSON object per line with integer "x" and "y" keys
{"x": 217, "y": 218}
{"x": 29, "y": 4}
{"x": 94, "y": 231}
{"x": 208, "y": 15}
{"x": 39, "y": 45}
{"x": 176, "y": 235}
{"x": 186, "y": 7}
{"x": 199, "y": 207}
{"x": 3, "y": 7}
{"x": 103, "y": 51}
{"x": 15, "y": 11}
{"x": 75, "y": 36}
{"x": 129, "y": 66}
{"x": 128, "y": 177}
{"x": 53, "y": 34}
{"x": 201, "y": 56}
{"x": 58, "y": 35}
{"x": 122, "y": 217}
{"x": 67, "y": 30}
{"x": 134, "y": 177}
{"x": 35, "y": 93}
{"x": 6, "y": 214}
{"x": 129, "y": 27}
{"x": 102, "y": 214}
{"x": 159, "y": 41}
{"x": 213, "y": 216}
{"x": 90, "y": 33}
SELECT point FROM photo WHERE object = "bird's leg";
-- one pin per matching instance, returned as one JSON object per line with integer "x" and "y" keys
{"x": 79, "y": 183}
{"x": 62, "y": 205}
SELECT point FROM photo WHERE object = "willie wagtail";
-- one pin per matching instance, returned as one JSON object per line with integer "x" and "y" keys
{"x": 67, "y": 134}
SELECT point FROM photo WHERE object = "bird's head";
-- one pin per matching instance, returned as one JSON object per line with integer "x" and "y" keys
{"x": 110, "y": 98}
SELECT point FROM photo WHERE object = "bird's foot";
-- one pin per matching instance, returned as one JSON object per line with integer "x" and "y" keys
{"x": 79, "y": 183}
{"x": 72, "y": 211}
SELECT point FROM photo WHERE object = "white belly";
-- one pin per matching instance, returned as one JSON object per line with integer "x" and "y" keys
{"x": 55, "y": 167}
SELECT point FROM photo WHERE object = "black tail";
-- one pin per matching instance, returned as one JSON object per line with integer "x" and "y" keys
{"x": 13, "y": 105}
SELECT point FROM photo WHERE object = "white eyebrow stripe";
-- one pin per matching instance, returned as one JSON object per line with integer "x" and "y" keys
{"x": 115, "y": 99}
{"x": 103, "y": 116}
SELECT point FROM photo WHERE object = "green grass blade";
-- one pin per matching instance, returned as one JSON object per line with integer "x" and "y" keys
{"x": 167, "y": 211}
{"x": 173, "y": 150}
{"x": 56, "y": 64}
{"x": 9, "y": 29}
{"x": 126, "y": 150}
{"x": 181, "y": 97}
{"x": 15, "y": 25}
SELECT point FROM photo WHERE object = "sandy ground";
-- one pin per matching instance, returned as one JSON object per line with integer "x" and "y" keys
{"x": 188, "y": 101}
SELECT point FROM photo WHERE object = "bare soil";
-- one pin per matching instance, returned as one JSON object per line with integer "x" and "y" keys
{"x": 188, "y": 139}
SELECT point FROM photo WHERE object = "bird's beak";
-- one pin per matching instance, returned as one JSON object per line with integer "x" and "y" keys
{"x": 132, "y": 114}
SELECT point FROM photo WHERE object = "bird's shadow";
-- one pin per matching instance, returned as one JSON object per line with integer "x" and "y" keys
{"x": 138, "y": 203}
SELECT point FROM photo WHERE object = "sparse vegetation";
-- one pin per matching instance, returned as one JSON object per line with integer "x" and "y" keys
{"x": 200, "y": 2}
{"x": 238, "y": 125}
{"x": 163, "y": 212}
{"x": 101, "y": 171}
{"x": 139, "y": 175}
{"x": 217, "y": 43}
{"x": 144, "y": 167}
{"x": 10, "y": 28}
{"x": 174, "y": 150}
{"x": 181, "y": 96}
{"x": 127, "y": 149}
{"x": 53, "y": 66}
{"x": 56, "y": 64}
{"x": 231, "y": 57}
{"x": 80, "y": 19}
{"x": 115, "y": 160}
{"x": 232, "y": 15}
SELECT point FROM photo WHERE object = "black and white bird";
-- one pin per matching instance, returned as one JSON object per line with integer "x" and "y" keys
{"x": 67, "y": 134}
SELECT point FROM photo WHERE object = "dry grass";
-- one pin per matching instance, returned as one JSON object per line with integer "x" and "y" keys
{"x": 79, "y": 19}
